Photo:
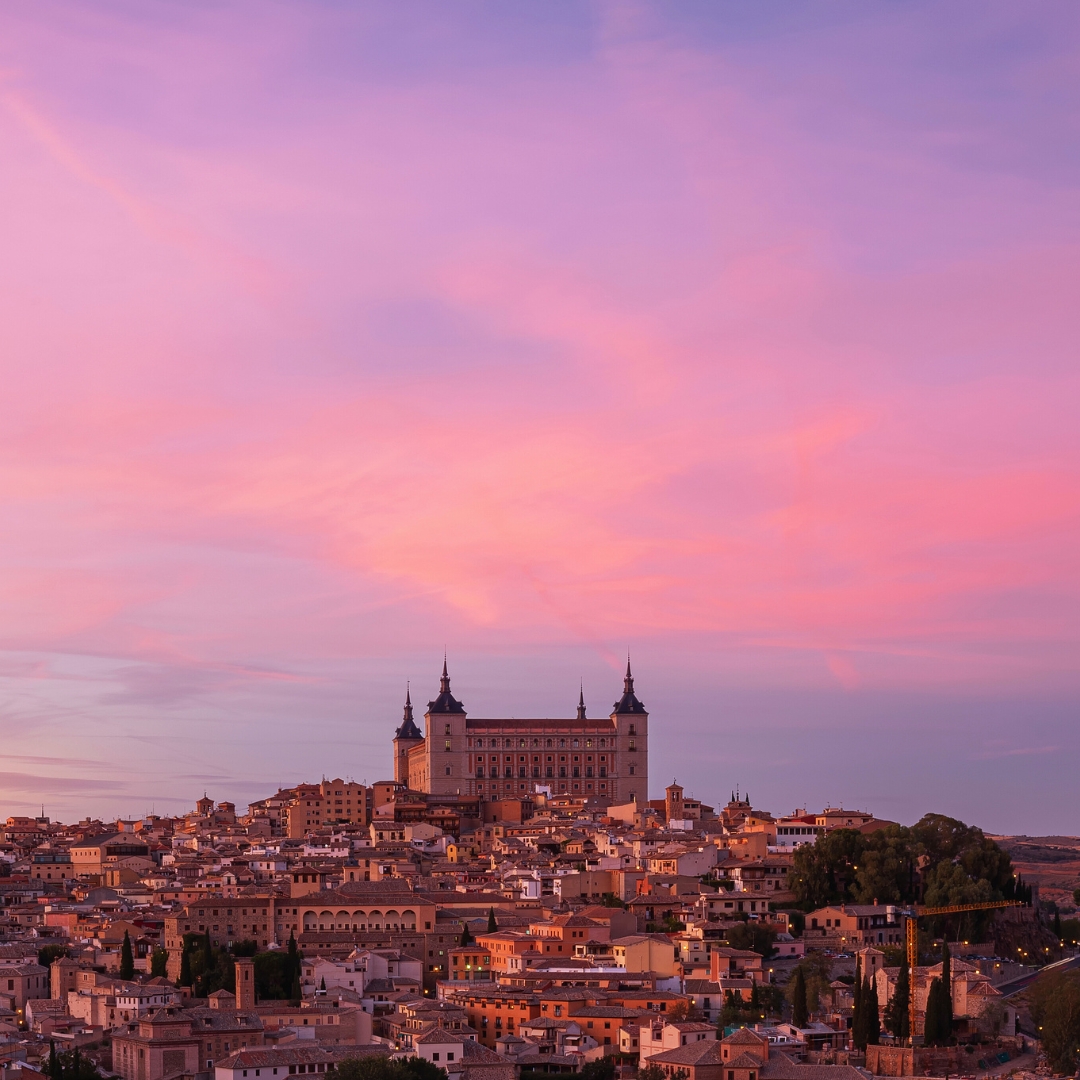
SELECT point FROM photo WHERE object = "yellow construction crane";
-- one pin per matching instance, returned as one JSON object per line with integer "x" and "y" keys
{"x": 912, "y": 939}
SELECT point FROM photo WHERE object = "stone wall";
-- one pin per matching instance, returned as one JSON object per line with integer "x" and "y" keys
{"x": 932, "y": 1060}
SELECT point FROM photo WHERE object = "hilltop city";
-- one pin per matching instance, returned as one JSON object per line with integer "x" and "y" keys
{"x": 512, "y": 903}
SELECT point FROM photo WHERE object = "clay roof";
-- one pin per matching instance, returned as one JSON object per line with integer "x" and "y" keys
{"x": 703, "y": 1052}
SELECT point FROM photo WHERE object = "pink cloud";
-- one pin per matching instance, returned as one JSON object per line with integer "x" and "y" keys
{"x": 660, "y": 337}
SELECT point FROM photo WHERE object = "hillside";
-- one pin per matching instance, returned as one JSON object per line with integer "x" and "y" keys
{"x": 1051, "y": 862}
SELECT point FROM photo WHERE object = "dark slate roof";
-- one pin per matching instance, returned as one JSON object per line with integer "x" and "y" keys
{"x": 408, "y": 729}
{"x": 628, "y": 703}
{"x": 445, "y": 702}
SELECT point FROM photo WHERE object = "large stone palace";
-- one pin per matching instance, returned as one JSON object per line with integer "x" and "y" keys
{"x": 603, "y": 757}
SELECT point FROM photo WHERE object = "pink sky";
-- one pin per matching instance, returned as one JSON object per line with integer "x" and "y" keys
{"x": 744, "y": 338}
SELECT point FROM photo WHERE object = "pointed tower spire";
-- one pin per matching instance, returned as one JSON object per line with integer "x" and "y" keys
{"x": 581, "y": 703}
{"x": 408, "y": 729}
{"x": 629, "y": 703}
{"x": 445, "y": 702}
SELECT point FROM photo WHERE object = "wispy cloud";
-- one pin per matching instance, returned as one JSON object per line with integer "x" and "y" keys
{"x": 329, "y": 342}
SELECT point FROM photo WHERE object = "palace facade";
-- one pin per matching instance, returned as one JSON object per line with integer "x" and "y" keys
{"x": 606, "y": 758}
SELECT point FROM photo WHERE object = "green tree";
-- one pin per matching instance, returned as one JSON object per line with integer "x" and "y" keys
{"x": 946, "y": 992}
{"x": 492, "y": 924}
{"x": 886, "y": 870}
{"x": 822, "y": 872}
{"x": 897, "y": 1016}
{"x": 603, "y": 1069}
{"x": 817, "y": 972}
{"x": 70, "y": 1065}
{"x": 871, "y": 1013}
{"x": 159, "y": 963}
{"x": 754, "y": 936}
{"x": 1055, "y": 1008}
{"x": 858, "y": 1019}
{"x": 732, "y": 1014}
{"x": 466, "y": 936}
{"x": 799, "y": 1013}
{"x": 1076, "y": 896}
{"x": 934, "y": 1028}
{"x": 127, "y": 958}
{"x": 383, "y": 1067}
{"x": 651, "y": 1072}
{"x": 273, "y": 976}
{"x": 681, "y": 1011}
{"x": 295, "y": 961}
{"x": 48, "y": 953}
{"x": 186, "y": 978}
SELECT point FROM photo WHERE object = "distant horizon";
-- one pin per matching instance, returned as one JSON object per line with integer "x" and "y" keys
{"x": 739, "y": 336}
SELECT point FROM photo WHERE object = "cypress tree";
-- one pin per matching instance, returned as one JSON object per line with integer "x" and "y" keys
{"x": 295, "y": 958}
{"x": 55, "y": 1068}
{"x": 127, "y": 959}
{"x": 896, "y": 1012}
{"x": 857, "y": 1025}
{"x": 799, "y": 1013}
{"x": 492, "y": 924}
{"x": 185, "y": 967}
{"x": 872, "y": 1017}
{"x": 208, "y": 954}
{"x": 1057, "y": 924}
{"x": 946, "y": 993}
{"x": 466, "y": 935}
{"x": 932, "y": 1033}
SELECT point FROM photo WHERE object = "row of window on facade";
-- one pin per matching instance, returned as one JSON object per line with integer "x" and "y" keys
{"x": 523, "y": 743}
{"x": 549, "y": 773}
{"x": 602, "y": 786}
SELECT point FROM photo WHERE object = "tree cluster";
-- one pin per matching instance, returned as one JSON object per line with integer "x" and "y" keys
{"x": 755, "y": 936}
{"x": 207, "y": 969}
{"x": 70, "y": 1065}
{"x": 1055, "y": 1008}
{"x": 938, "y": 861}
{"x": 765, "y": 1000}
{"x": 48, "y": 953}
{"x": 814, "y": 974}
{"x": 383, "y": 1067}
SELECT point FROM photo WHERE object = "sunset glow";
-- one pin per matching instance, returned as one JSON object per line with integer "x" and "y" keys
{"x": 737, "y": 338}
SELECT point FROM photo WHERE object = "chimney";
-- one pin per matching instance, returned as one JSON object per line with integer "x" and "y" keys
{"x": 245, "y": 982}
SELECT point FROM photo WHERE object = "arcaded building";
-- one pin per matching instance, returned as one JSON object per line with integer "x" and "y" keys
{"x": 600, "y": 757}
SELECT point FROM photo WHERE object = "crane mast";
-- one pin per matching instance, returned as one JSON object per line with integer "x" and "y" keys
{"x": 911, "y": 937}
